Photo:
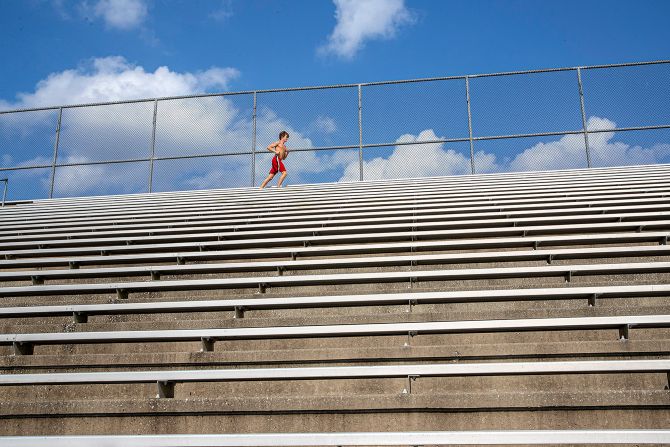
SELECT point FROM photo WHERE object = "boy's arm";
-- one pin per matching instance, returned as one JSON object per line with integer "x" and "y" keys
{"x": 272, "y": 147}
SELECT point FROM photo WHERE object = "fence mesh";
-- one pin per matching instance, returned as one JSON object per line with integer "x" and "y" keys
{"x": 374, "y": 131}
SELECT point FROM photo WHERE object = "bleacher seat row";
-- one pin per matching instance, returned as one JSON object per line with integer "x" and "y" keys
{"x": 522, "y": 308}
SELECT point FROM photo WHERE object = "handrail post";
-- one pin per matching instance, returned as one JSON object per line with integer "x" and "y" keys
{"x": 4, "y": 193}
{"x": 472, "y": 146}
{"x": 253, "y": 145}
{"x": 153, "y": 147}
{"x": 581, "y": 104}
{"x": 55, "y": 157}
{"x": 360, "y": 131}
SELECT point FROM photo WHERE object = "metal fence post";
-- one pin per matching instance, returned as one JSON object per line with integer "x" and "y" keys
{"x": 55, "y": 158}
{"x": 581, "y": 103}
{"x": 4, "y": 193}
{"x": 360, "y": 131}
{"x": 153, "y": 148}
{"x": 253, "y": 146}
{"x": 472, "y": 146}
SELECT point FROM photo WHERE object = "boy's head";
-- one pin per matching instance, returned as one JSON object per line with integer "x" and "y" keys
{"x": 283, "y": 134}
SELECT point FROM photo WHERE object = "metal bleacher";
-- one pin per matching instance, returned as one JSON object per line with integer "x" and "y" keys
{"x": 521, "y": 308}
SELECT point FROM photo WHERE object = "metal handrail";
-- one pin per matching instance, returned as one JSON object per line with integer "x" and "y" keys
{"x": 334, "y": 86}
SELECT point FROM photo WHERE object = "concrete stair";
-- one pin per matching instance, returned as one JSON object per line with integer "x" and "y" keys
{"x": 480, "y": 250}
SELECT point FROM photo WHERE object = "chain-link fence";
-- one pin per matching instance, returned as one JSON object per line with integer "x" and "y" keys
{"x": 562, "y": 118}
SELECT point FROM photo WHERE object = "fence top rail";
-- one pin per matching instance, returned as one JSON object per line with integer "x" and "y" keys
{"x": 335, "y": 86}
{"x": 343, "y": 330}
{"x": 408, "y": 439}
{"x": 344, "y": 372}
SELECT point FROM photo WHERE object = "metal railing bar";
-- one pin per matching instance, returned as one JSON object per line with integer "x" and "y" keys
{"x": 335, "y": 86}
{"x": 356, "y": 146}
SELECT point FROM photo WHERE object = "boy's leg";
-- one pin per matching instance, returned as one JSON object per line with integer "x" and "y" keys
{"x": 265, "y": 182}
{"x": 281, "y": 179}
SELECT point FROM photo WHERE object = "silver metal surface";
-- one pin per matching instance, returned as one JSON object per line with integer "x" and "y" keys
{"x": 581, "y": 104}
{"x": 345, "y": 372}
{"x": 549, "y": 256}
{"x": 360, "y": 132}
{"x": 472, "y": 146}
{"x": 55, "y": 157}
{"x": 253, "y": 142}
{"x": 571, "y": 293}
{"x": 152, "y": 153}
{"x": 567, "y": 271}
{"x": 345, "y": 330}
{"x": 4, "y": 190}
{"x": 409, "y": 439}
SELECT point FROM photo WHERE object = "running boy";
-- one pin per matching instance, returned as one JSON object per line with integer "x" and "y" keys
{"x": 281, "y": 152}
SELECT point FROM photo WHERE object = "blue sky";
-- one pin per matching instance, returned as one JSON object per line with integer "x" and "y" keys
{"x": 78, "y": 51}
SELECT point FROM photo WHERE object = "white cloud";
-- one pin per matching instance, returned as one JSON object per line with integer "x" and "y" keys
{"x": 569, "y": 151}
{"x": 115, "y": 79}
{"x": 431, "y": 159}
{"x": 184, "y": 127}
{"x": 223, "y": 12}
{"x": 362, "y": 20}
{"x": 121, "y": 14}
{"x": 324, "y": 124}
{"x": 413, "y": 160}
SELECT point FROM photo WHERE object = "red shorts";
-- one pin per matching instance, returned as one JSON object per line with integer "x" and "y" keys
{"x": 276, "y": 168}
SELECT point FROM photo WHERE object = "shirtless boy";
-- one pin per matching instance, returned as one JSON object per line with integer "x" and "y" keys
{"x": 281, "y": 152}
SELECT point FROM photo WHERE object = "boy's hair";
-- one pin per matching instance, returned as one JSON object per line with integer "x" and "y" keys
{"x": 283, "y": 134}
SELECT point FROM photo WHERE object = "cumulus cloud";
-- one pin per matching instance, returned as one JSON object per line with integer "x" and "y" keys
{"x": 324, "y": 124}
{"x": 433, "y": 159}
{"x": 186, "y": 126}
{"x": 223, "y": 12}
{"x": 361, "y": 20}
{"x": 115, "y": 79}
{"x": 121, "y": 14}
{"x": 412, "y": 160}
{"x": 569, "y": 151}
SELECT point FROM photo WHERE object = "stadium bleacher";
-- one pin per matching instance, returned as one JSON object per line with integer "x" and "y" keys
{"x": 518, "y": 308}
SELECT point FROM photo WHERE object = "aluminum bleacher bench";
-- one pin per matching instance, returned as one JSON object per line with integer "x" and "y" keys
{"x": 98, "y": 245}
{"x": 478, "y": 226}
{"x": 321, "y": 220}
{"x": 24, "y": 343}
{"x": 166, "y": 380}
{"x": 332, "y": 206}
{"x": 408, "y": 439}
{"x": 39, "y": 276}
{"x": 80, "y": 312}
{"x": 122, "y": 289}
{"x": 208, "y": 252}
{"x": 369, "y": 192}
